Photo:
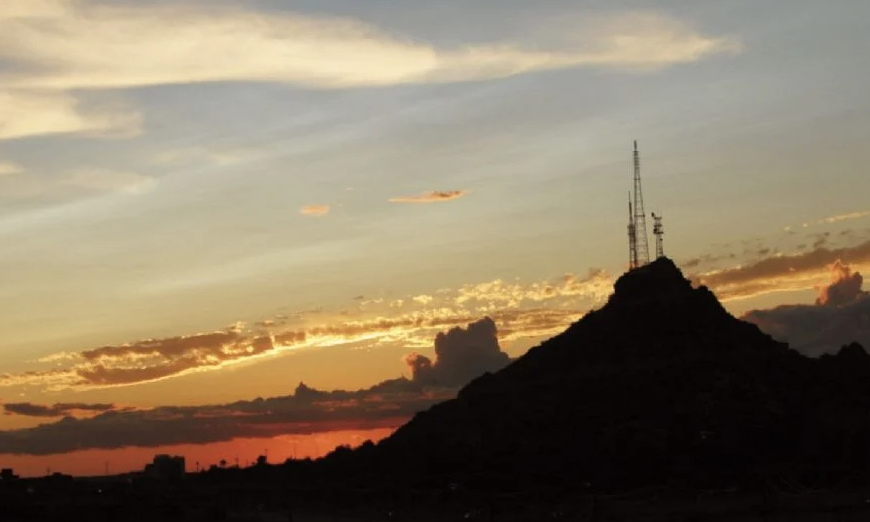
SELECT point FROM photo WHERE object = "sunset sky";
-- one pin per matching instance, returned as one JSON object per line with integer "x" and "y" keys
{"x": 207, "y": 202}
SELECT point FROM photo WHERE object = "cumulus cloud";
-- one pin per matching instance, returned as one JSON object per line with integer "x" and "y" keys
{"x": 314, "y": 210}
{"x": 781, "y": 272}
{"x": 840, "y": 316}
{"x": 59, "y": 47}
{"x": 844, "y": 289}
{"x": 461, "y": 354}
{"x": 63, "y": 409}
{"x": 436, "y": 196}
{"x": 522, "y": 311}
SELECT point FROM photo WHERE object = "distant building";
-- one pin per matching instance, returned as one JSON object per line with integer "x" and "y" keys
{"x": 7, "y": 475}
{"x": 166, "y": 467}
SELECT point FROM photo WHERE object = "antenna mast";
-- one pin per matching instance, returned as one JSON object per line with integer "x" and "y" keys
{"x": 632, "y": 238}
{"x": 659, "y": 232}
{"x": 639, "y": 218}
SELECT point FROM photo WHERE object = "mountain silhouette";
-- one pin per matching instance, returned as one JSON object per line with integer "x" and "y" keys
{"x": 659, "y": 386}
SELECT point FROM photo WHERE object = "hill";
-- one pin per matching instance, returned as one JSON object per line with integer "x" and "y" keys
{"x": 659, "y": 386}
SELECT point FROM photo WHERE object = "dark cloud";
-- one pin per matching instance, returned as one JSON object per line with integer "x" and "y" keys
{"x": 460, "y": 355}
{"x": 57, "y": 410}
{"x": 840, "y": 315}
{"x": 306, "y": 411}
{"x": 779, "y": 272}
{"x": 821, "y": 239}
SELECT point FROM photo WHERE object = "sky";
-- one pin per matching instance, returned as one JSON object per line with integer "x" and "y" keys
{"x": 205, "y": 204}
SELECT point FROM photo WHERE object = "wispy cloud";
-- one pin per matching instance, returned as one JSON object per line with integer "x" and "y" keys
{"x": 33, "y": 112}
{"x": 103, "y": 180}
{"x": 520, "y": 311}
{"x": 58, "y": 47}
{"x": 781, "y": 272}
{"x": 499, "y": 294}
{"x": 7, "y": 169}
{"x": 461, "y": 354}
{"x": 846, "y": 217}
{"x": 435, "y": 196}
{"x": 314, "y": 210}
{"x": 386, "y": 405}
{"x": 64, "y": 409}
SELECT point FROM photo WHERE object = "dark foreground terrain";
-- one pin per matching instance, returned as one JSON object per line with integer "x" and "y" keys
{"x": 266, "y": 495}
{"x": 658, "y": 406}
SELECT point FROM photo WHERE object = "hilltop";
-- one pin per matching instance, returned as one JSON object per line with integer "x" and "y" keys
{"x": 659, "y": 386}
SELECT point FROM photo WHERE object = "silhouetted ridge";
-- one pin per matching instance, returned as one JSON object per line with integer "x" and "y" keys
{"x": 660, "y": 385}
{"x": 661, "y": 278}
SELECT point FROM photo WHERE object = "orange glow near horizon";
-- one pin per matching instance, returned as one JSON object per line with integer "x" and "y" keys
{"x": 278, "y": 449}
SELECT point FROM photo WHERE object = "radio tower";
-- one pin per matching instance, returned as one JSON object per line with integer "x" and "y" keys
{"x": 632, "y": 238}
{"x": 659, "y": 232}
{"x": 641, "y": 246}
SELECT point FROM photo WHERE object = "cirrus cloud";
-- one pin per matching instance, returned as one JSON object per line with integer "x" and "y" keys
{"x": 530, "y": 310}
{"x": 53, "y": 48}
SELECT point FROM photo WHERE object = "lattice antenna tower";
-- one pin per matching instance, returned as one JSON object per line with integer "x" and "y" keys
{"x": 632, "y": 238}
{"x": 642, "y": 246}
{"x": 659, "y": 231}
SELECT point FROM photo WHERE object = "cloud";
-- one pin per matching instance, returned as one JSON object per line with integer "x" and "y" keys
{"x": 436, "y": 196}
{"x": 57, "y": 410}
{"x": 522, "y": 311}
{"x": 53, "y": 48}
{"x": 314, "y": 210}
{"x": 34, "y": 112}
{"x": 840, "y": 316}
{"x": 385, "y": 405}
{"x": 85, "y": 45}
{"x": 845, "y": 217}
{"x": 844, "y": 289}
{"x": 7, "y": 169}
{"x": 597, "y": 285}
{"x": 781, "y": 272}
{"x": 461, "y": 354}
{"x": 848, "y": 216}
{"x": 103, "y": 180}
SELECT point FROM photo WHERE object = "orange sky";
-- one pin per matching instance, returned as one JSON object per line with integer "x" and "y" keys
{"x": 278, "y": 449}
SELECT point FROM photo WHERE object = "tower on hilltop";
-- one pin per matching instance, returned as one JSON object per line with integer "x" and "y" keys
{"x": 632, "y": 237}
{"x": 658, "y": 231}
{"x": 638, "y": 244}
